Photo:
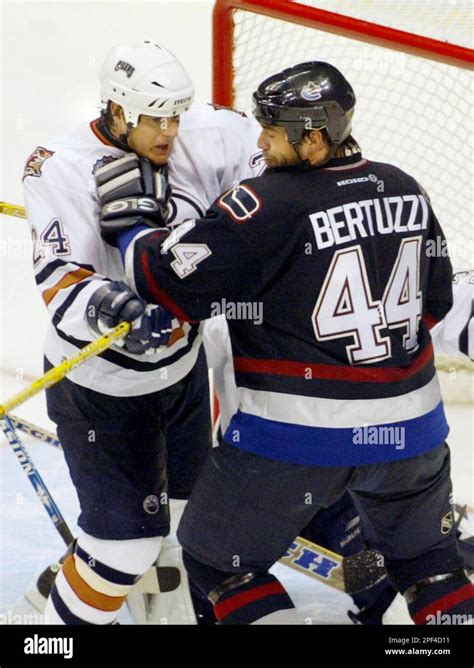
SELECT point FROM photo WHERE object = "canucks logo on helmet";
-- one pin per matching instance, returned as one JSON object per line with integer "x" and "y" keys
{"x": 311, "y": 92}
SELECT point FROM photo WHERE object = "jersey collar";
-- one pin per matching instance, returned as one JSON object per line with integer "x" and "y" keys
{"x": 353, "y": 161}
{"x": 100, "y": 130}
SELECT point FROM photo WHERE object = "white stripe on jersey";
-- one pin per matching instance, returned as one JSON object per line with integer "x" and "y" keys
{"x": 111, "y": 379}
{"x": 339, "y": 413}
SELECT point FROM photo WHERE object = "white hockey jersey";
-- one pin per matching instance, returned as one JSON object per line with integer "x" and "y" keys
{"x": 215, "y": 148}
{"x": 455, "y": 334}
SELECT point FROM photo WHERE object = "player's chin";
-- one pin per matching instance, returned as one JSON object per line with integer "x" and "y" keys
{"x": 270, "y": 161}
{"x": 159, "y": 155}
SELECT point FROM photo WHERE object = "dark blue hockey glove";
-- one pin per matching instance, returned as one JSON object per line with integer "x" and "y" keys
{"x": 114, "y": 303}
{"x": 150, "y": 332}
{"x": 132, "y": 192}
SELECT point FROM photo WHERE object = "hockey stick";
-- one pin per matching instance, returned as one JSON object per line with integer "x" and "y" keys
{"x": 51, "y": 377}
{"x": 36, "y": 480}
{"x": 12, "y": 210}
{"x": 59, "y": 372}
{"x": 303, "y": 556}
{"x": 35, "y": 431}
{"x": 348, "y": 574}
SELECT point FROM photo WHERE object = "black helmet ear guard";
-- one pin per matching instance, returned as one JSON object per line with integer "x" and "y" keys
{"x": 309, "y": 96}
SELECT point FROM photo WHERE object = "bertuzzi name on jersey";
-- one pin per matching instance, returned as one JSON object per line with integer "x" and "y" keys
{"x": 358, "y": 220}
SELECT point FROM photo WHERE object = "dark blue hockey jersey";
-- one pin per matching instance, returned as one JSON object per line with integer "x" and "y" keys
{"x": 330, "y": 278}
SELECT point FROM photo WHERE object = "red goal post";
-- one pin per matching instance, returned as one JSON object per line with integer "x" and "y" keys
{"x": 414, "y": 93}
{"x": 320, "y": 19}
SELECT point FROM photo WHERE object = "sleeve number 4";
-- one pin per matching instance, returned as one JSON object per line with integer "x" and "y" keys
{"x": 54, "y": 236}
{"x": 187, "y": 257}
{"x": 345, "y": 306}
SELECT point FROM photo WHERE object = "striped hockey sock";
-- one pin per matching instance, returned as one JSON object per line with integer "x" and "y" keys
{"x": 91, "y": 591}
{"x": 444, "y": 601}
{"x": 262, "y": 600}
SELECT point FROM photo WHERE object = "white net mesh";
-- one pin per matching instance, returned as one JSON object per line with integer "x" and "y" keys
{"x": 412, "y": 112}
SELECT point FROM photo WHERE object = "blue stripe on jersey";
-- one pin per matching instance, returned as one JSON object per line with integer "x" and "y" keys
{"x": 63, "y": 611}
{"x": 297, "y": 444}
{"x": 107, "y": 572}
{"x": 52, "y": 266}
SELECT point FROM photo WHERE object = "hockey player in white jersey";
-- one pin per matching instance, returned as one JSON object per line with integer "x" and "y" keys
{"x": 116, "y": 413}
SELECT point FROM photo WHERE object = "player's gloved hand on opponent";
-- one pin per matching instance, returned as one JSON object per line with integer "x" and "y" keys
{"x": 132, "y": 192}
{"x": 114, "y": 303}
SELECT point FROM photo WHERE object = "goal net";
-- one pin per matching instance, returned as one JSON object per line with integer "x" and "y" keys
{"x": 409, "y": 64}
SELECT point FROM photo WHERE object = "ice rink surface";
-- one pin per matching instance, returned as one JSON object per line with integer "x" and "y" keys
{"x": 29, "y": 541}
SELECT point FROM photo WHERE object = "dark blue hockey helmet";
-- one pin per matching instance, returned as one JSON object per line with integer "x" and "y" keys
{"x": 308, "y": 96}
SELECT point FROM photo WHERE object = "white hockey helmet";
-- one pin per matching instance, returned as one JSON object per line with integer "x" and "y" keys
{"x": 145, "y": 78}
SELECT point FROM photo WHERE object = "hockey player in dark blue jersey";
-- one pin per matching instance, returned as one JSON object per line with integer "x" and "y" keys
{"x": 337, "y": 385}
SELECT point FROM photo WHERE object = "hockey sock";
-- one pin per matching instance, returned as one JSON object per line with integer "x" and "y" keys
{"x": 437, "y": 599}
{"x": 262, "y": 600}
{"x": 93, "y": 583}
{"x": 242, "y": 598}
